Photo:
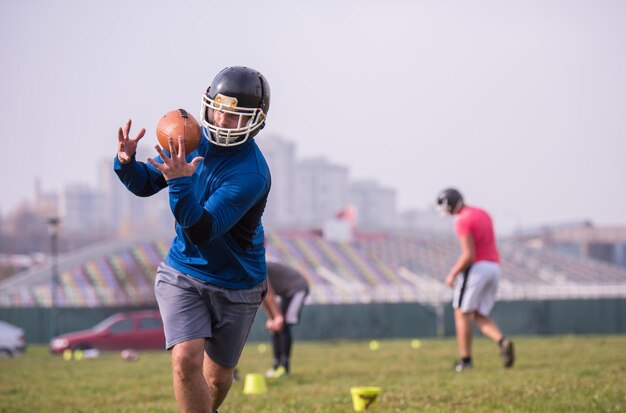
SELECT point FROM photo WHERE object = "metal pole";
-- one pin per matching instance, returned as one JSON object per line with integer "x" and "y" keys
{"x": 439, "y": 311}
{"x": 54, "y": 274}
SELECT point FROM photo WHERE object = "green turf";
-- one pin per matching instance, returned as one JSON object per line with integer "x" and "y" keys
{"x": 553, "y": 374}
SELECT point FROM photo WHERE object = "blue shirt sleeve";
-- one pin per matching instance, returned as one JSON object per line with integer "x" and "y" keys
{"x": 140, "y": 178}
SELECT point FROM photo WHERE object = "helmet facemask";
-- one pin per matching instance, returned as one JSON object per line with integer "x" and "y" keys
{"x": 446, "y": 209}
{"x": 449, "y": 204}
{"x": 243, "y": 122}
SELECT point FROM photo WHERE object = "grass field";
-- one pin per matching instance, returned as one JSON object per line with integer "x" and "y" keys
{"x": 553, "y": 374}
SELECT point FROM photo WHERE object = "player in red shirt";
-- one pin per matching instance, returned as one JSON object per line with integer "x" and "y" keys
{"x": 474, "y": 277}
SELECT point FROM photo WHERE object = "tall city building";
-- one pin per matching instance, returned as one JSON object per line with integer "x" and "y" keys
{"x": 309, "y": 192}
{"x": 81, "y": 210}
{"x": 375, "y": 205}
{"x": 280, "y": 156}
{"x": 321, "y": 191}
{"x": 126, "y": 214}
{"x": 46, "y": 203}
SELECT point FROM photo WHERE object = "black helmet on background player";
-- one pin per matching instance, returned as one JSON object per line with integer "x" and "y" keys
{"x": 449, "y": 201}
{"x": 237, "y": 91}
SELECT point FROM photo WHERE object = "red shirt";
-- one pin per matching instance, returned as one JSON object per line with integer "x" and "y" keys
{"x": 477, "y": 223}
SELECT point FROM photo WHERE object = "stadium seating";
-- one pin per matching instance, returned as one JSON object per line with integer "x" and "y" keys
{"x": 384, "y": 267}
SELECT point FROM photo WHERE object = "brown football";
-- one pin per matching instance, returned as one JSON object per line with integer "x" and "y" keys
{"x": 177, "y": 123}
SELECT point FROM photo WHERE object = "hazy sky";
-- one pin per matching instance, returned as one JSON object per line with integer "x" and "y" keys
{"x": 520, "y": 104}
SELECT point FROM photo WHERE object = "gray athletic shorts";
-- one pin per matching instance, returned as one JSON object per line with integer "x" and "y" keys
{"x": 475, "y": 290}
{"x": 191, "y": 308}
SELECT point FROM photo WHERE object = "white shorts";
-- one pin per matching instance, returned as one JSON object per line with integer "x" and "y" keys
{"x": 292, "y": 306}
{"x": 475, "y": 290}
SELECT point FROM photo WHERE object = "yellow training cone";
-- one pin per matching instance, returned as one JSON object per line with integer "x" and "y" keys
{"x": 254, "y": 383}
{"x": 364, "y": 398}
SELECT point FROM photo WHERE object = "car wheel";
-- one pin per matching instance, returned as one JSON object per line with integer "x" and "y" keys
{"x": 5, "y": 352}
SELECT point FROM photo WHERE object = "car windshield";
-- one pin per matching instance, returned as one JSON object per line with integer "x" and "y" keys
{"x": 150, "y": 323}
{"x": 105, "y": 323}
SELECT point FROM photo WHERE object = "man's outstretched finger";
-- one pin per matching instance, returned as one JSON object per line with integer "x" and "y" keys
{"x": 195, "y": 161}
{"x": 157, "y": 165}
{"x": 127, "y": 128}
{"x": 162, "y": 153}
{"x": 173, "y": 150}
{"x": 140, "y": 134}
{"x": 181, "y": 147}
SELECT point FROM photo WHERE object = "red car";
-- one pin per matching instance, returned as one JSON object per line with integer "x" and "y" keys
{"x": 138, "y": 330}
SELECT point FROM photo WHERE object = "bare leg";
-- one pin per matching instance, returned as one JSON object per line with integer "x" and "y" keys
{"x": 218, "y": 379}
{"x": 488, "y": 327}
{"x": 190, "y": 388}
{"x": 463, "y": 325}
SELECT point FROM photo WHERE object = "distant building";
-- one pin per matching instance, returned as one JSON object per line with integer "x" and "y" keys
{"x": 309, "y": 192}
{"x": 113, "y": 197}
{"x": 375, "y": 205}
{"x": 81, "y": 210}
{"x": 280, "y": 156}
{"x": 426, "y": 221}
{"x": 46, "y": 203}
{"x": 321, "y": 191}
{"x": 607, "y": 244}
{"x": 127, "y": 214}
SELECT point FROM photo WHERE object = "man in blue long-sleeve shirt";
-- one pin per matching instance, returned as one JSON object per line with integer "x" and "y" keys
{"x": 212, "y": 280}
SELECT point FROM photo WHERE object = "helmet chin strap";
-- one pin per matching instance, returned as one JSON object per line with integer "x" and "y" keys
{"x": 224, "y": 141}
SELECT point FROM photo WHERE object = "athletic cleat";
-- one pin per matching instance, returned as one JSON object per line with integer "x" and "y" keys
{"x": 460, "y": 365}
{"x": 280, "y": 372}
{"x": 508, "y": 355}
{"x": 276, "y": 373}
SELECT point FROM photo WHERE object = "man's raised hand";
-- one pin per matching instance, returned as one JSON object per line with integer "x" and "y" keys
{"x": 175, "y": 165}
{"x": 126, "y": 147}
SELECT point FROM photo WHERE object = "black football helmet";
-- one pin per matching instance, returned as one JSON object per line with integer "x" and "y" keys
{"x": 239, "y": 92}
{"x": 449, "y": 201}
